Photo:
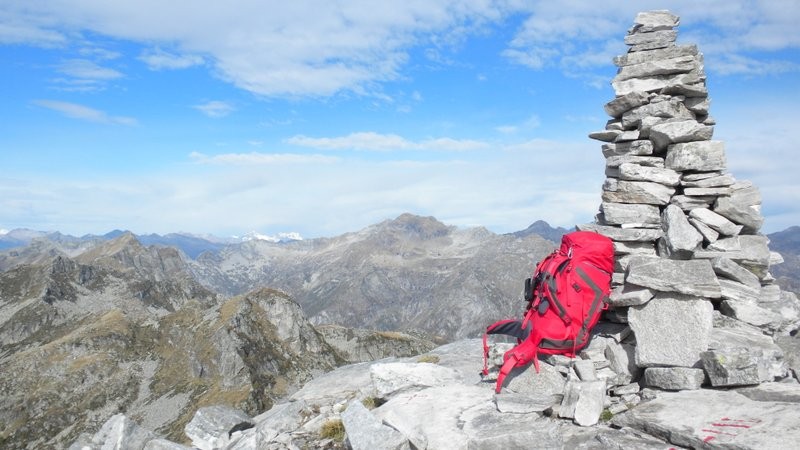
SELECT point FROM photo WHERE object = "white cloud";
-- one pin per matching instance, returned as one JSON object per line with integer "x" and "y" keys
{"x": 299, "y": 48}
{"x": 255, "y": 158}
{"x": 215, "y": 108}
{"x": 87, "y": 70}
{"x": 372, "y": 141}
{"x": 81, "y": 112}
{"x": 158, "y": 59}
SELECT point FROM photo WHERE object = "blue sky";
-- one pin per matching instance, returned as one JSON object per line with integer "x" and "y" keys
{"x": 324, "y": 117}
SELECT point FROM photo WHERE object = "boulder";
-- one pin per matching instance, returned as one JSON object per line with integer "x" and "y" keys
{"x": 211, "y": 426}
{"x": 731, "y": 367}
{"x": 769, "y": 356}
{"x": 715, "y": 419}
{"x": 366, "y": 432}
{"x": 671, "y": 330}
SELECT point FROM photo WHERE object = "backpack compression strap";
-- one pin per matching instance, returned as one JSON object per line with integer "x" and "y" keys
{"x": 520, "y": 355}
{"x": 510, "y": 327}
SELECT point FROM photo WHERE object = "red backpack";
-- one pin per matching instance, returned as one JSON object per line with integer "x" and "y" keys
{"x": 568, "y": 291}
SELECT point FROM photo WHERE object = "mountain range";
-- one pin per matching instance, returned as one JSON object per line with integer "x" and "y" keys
{"x": 158, "y": 326}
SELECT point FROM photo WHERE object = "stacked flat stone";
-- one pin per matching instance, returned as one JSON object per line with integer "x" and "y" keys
{"x": 692, "y": 268}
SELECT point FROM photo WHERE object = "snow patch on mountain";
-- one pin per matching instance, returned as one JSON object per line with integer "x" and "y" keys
{"x": 280, "y": 237}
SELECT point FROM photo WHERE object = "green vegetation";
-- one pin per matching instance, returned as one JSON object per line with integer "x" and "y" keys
{"x": 372, "y": 402}
{"x": 606, "y": 415}
{"x": 333, "y": 429}
{"x": 433, "y": 359}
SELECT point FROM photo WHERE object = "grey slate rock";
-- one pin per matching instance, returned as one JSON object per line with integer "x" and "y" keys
{"x": 680, "y": 237}
{"x": 509, "y": 402}
{"x": 697, "y": 156}
{"x": 637, "y": 172}
{"x": 623, "y": 234}
{"x": 772, "y": 392}
{"x": 620, "y": 213}
{"x": 668, "y": 133}
{"x": 769, "y": 356}
{"x": 366, "y": 432}
{"x": 670, "y": 84}
{"x": 692, "y": 277}
{"x": 388, "y": 379}
{"x": 751, "y": 313}
{"x": 790, "y": 346}
{"x": 674, "y": 378}
{"x": 730, "y": 367}
{"x": 710, "y": 235}
{"x": 637, "y": 192}
{"x": 740, "y": 292}
{"x": 719, "y": 419}
{"x": 629, "y": 295}
{"x": 525, "y": 380}
{"x": 616, "y": 107}
{"x": 678, "y": 64}
{"x": 583, "y": 401}
{"x": 713, "y": 181}
{"x": 632, "y": 148}
{"x": 671, "y": 109}
{"x": 211, "y": 425}
{"x": 655, "y": 20}
{"x": 648, "y": 161}
{"x": 671, "y": 330}
{"x": 657, "y": 39}
{"x": 715, "y": 221}
{"x": 740, "y": 213}
{"x": 727, "y": 268}
{"x": 651, "y": 55}
{"x": 119, "y": 432}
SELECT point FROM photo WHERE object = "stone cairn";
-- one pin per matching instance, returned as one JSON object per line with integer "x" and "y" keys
{"x": 693, "y": 302}
{"x": 692, "y": 273}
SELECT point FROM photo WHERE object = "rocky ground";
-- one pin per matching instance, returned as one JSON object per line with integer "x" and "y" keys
{"x": 438, "y": 400}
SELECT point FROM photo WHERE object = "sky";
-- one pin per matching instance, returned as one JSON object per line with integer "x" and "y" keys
{"x": 324, "y": 117}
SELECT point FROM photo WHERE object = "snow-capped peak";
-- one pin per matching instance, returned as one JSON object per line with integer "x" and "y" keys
{"x": 281, "y": 237}
{"x": 3, "y": 231}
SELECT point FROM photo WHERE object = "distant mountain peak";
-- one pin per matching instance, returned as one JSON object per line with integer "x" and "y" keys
{"x": 423, "y": 227}
{"x": 543, "y": 229}
{"x": 280, "y": 237}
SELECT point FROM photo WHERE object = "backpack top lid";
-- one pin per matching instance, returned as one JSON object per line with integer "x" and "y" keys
{"x": 590, "y": 247}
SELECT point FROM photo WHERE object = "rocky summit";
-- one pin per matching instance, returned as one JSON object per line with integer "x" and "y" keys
{"x": 697, "y": 349}
{"x": 125, "y": 328}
